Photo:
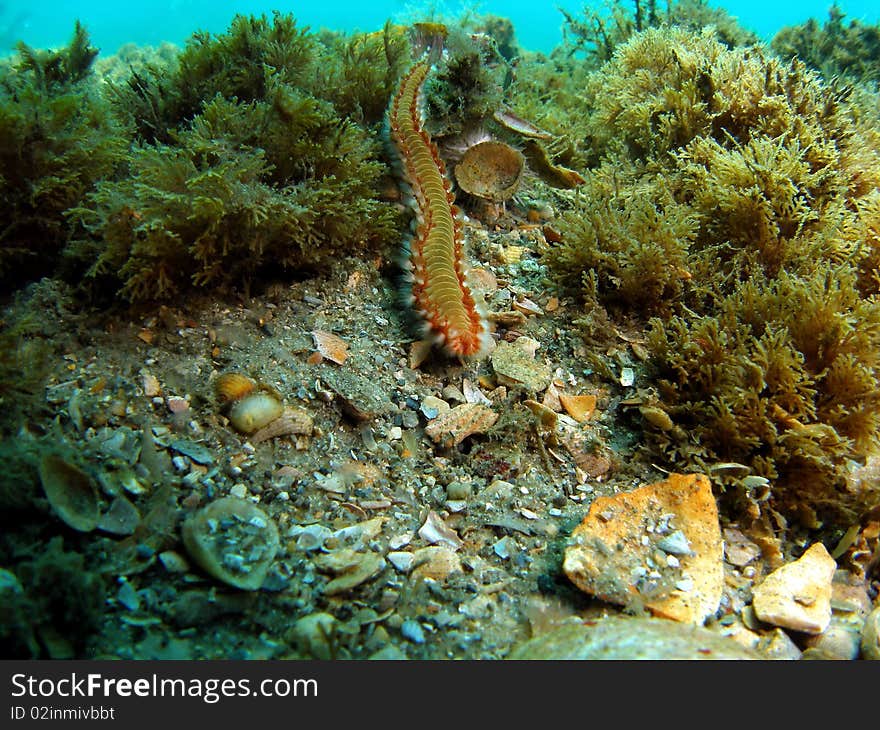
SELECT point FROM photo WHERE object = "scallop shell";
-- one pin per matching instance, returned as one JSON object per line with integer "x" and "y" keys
{"x": 70, "y": 492}
{"x": 233, "y": 386}
{"x": 490, "y": 170}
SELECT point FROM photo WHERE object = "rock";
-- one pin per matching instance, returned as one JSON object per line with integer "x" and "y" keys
{"x": 232, "y": 540}
{"x": 629, "y": 638}
{"x": 413, "y": 631}
{"x": 388, "y": 653}
{"x": 515, "y": 365}
{"x": 778, "y": 645}
{"x": 849, "y": 608}
{"x": 315, "y": 635}
{"x": 871, "y": 636}
{"x": 798, "y": 595}
{"x": 739, "y": 550}
{"x": 621, "y": 551}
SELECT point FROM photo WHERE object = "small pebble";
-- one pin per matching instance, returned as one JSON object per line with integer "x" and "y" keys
{"x": 128, "y": 596}
{"x": 412, "y": 630}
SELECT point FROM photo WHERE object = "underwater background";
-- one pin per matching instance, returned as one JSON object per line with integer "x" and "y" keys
{"x": 538, "y": 24}
{"x": 643, "y": 245}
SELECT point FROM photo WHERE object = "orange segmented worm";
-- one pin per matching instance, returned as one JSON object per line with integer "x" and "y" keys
{"x": 440, "y": 292}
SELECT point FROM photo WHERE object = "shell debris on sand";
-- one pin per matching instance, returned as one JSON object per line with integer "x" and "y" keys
{"x": 250, "y": 406}
{"x": 657, "y": 546}
{"x": 71, "y": 493}
{"x": 233, "y": 541}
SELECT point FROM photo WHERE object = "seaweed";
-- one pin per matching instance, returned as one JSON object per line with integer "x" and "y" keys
{"x": 597, "y": 33}
{"x": 626, "y": 248}
{"x": 783, "y": 380}
{"x": 246, "y": 160}
{"x": 57, "y": 137}
{"x": 734, "y": 204}
{"x": 56, "y": 600}
{"x": 851, "y": 51}
{"x": 466, "y": 86}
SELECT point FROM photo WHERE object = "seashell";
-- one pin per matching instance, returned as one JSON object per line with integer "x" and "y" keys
{"x": 309, "y": 537}
{"x": 435, "y": 562}
{"x": 292, "y": 420}
{"x": 330, "y": 346}
{"x": 657, "y": 417}
{"x": 554, "y": 175}
{"x": 546, "y": 417}
{"x": 350, "y": 567}
{"x": 436, "y": 531}
{"x": 315, "y": 635}
{"x": 255, "y": 411}
{"x": 232, "y": 540}
{"x": 579, "y": 407}
{"x": 490, "y": 170}
{"x": 513, "y": 123}
{"x": 122, "y": 518}
{"x": 234, "y": 386}
{"x": 70, "y": 492}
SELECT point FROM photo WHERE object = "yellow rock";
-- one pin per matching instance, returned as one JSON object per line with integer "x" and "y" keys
{"x": 657, "y": 547}
{"x": 798, "y": 595}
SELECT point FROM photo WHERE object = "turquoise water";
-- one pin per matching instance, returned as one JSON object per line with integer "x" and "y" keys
{"x": 48, "y": 23}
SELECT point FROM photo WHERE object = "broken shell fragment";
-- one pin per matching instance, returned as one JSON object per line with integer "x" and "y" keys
{"x": 71, "y": 493}
{"x": 436, "y": 531}
{"x": 233, "y": 541}
{"x": 579, "y": 407}
{"x": 491, "y": 170}
{"x": 350, "y": 567}
{"x": 330, "y": 346}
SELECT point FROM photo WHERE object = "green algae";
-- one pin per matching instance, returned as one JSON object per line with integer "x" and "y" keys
{"x": 57, "y": 138}
{"x": 850, "y": 50}
{"x": 240, "y": 165}
{"x": 731, "y": 204}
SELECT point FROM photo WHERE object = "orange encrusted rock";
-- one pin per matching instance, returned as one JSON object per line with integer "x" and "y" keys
{"x": 657, "y": 547}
